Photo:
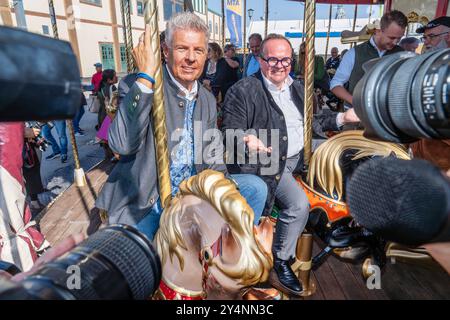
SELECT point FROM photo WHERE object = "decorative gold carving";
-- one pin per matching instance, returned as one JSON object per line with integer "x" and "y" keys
{"x": 221, "y": 193}
{"x": 324, "y": 169}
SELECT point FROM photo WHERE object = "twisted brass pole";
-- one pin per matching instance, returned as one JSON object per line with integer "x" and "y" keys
{"x": 128, "y": 55}
{"x": 310, "y": 10}
{"x": 328, "y": 33}
{"x": 130, "y": 62}
{"x": 79, "y": 177}
{"x": 158, "y": 112}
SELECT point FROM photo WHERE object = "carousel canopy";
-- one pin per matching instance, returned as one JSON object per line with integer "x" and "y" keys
{"x": 346, "y": 1}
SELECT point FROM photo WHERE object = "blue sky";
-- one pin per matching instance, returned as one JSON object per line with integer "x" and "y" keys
{"x": 290, "y": 10}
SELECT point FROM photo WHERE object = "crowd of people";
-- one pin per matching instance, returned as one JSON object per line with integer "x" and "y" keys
{"x": 203, "y": 82}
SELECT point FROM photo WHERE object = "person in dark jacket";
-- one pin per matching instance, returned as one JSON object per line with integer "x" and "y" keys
{"x": 270, "y": 104}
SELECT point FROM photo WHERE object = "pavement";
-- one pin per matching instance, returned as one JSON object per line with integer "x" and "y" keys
{"x": 57, "y": 176}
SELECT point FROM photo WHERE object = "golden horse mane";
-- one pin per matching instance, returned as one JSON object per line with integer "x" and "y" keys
{"x": 324, "y": 167}
{"x": 221, "y": 193}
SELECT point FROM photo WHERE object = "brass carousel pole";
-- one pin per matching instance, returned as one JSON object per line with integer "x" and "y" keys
{"x": 127, "y": 33}
{"x": 328, "y": 33}
{"x": 223, "y": 23}
{"x": 79, "y": 177}
{"x": 158, "y": 113}
{"x": 370, "y": 12}
{"x": 303, "y": 264}
{"x": 310, "y": 10}
{"x": 266, "y": 18}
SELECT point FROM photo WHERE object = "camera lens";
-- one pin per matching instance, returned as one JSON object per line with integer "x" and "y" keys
{"x": 404, "y": 97}
{"x": 116, "y": 262}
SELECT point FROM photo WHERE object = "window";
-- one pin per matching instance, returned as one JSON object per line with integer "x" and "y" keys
{"x": 123, "y": 58}
{"x": 94, "y": 2}
{"x": 140, "y": 5}
{"x": 199, "y": 6}
{"x": 45, "y": 30}
{"x": 107, "y": 55}
{"x": 210, "y": 27}
{"x": 216, "y": 29}
{"x": 171, "y": 7}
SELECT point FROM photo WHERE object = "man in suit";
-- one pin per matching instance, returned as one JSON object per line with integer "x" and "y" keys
{"x": 270, "y": 103}
{"x": 130, "y": 195}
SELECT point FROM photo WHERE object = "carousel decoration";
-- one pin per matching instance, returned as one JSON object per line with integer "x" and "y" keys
{"x": 208, "y": 245}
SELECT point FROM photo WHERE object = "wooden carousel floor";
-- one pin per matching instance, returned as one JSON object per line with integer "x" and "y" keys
{"x": 335, "y": 280}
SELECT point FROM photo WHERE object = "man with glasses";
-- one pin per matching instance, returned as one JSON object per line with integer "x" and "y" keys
{"x": 436, "y": 34}
{"x": 270, "y": 103}
{"x": 252, "y": 65}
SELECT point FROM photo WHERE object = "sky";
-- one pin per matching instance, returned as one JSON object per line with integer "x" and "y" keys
{"x": 291, "y": 10}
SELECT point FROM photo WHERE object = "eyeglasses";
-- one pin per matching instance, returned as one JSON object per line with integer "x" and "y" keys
{"x": 432, "y": 36}
{"x": 272, "y": 61}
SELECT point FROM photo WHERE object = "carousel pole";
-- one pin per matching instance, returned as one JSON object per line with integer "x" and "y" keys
{"x": 127, "y": 33}
{"x": 354, "y": 22}
{"x": 266, "y": 18}
{"x": 328, "y": 33}
{"x": 310, "y": 10}
{"x": 370, "y": 12}
{"x": 79, "y": 176}
{"x": 302, "y": 266}
{"x": 158, "y": 113}
{"x": 244, "y": 39}
{"x": 223, "y": 23}
{"x": 304, "y": 15}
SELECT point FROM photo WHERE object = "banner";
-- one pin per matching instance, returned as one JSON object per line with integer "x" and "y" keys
{"x": 234, "y": 22}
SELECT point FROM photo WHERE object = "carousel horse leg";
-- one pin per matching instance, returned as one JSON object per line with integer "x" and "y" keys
{"x": 302, "y": 265}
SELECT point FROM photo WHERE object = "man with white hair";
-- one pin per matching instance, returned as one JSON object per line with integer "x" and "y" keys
{"x": 130, "y": 195}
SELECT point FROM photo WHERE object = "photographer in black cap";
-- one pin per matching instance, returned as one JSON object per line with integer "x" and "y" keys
{"x": 436, "y": 35}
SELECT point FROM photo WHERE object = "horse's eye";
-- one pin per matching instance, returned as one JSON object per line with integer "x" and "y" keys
{"x": 206, "y": 255}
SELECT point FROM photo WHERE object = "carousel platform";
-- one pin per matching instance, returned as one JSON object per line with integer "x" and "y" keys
{"x": 72, "y": 212}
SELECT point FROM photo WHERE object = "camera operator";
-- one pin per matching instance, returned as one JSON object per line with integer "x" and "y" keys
{"x": 436, "y": 35}
{"x": 32, "y": 165}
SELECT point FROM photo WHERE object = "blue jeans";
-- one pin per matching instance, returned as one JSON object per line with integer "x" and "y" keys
{"x": 60, "y": 126}
{"x": 76, "y": 120}
{"x": 251, "y": 187}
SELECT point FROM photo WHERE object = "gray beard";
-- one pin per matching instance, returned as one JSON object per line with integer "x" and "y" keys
{"x": 441, "y": 45}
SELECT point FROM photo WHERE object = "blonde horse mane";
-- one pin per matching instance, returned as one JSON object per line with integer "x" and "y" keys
{"x": 221, "y": 193}
{"x": 324, "y": 166}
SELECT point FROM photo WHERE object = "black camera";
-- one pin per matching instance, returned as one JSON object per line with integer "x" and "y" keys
{"x": 116, "y": 262}
{"x": 404, "y": 97}
{"x": 39, "y": 140}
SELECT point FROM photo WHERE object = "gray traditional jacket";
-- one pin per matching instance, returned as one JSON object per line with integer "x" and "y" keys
{"x": 132, "y": 187}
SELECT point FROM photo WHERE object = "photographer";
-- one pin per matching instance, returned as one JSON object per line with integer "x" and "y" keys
{"x": 436, "y": 35}
{"x": 32, "y": 166}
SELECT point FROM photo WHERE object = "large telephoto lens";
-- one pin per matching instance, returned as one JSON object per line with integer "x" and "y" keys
{"x": 116, "y": 262}
{"x": 404, "y": 97}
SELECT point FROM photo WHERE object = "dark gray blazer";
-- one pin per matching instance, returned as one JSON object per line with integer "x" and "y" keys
{"x": 131, "y": 189}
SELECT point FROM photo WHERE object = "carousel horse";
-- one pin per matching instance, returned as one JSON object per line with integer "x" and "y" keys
{"x": 207, "y": 242}
{"x": 332, "y": 164}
